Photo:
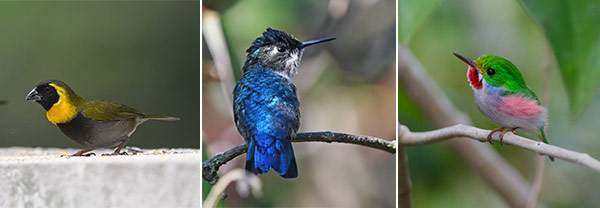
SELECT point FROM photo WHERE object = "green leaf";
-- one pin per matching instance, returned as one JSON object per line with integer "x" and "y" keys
{"x": 411, "y": 14}
{"x": 573, "y": 31}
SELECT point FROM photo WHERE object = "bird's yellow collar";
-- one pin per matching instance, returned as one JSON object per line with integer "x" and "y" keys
{"x": 62, "y": 111}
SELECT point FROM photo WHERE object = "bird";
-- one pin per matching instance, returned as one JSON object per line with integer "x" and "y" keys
{"x": 91, "y": 123}
{"x": 503, "y": 97}
{"x": 265, "y": 104}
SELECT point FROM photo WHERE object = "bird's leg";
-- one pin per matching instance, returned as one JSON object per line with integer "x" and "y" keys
{"x": 118, "y": 150}
{"x": 505, "y": 131}
{"x": 489, "y": 137}
{"x": 80, "y": 153}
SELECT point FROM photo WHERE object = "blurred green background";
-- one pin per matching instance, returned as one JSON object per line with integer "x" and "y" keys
{"x": 346, "y": 85}
{"x": 139, "y": 53}
{"x": 473, "y": 28}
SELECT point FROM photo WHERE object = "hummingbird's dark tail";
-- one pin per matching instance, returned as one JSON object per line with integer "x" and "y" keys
{"x": 276, "y": 154}
{"x": 546, "y": 141}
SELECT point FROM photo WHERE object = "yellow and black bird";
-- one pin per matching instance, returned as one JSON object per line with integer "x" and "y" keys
{"x": 91, "y": 123}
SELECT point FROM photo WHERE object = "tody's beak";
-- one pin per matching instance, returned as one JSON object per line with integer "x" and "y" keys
{"x": 312, "y": 42}
{"x": 466, "y": 60}
{"x": 33, "y": 95}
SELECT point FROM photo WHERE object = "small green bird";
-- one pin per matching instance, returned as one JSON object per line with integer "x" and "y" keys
{"x": 503, "y": 97}
{"x": 91, "y": 123}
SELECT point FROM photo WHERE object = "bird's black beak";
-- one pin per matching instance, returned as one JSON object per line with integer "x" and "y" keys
{"x": 33, "y": 95}
{"x": 312, "y": 42}
{"x": 466, "y": 60}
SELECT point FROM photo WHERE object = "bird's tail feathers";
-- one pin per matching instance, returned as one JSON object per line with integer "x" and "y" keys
{"x": 278, "y": 155}
{"x": 162, "y": 117}
{"x": 287, "y": 162}
{"x": 292, "y": 171}
{"x": 545, "y": 139}
{"x": 250, "y": 160}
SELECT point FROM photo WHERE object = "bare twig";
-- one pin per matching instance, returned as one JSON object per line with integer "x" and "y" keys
{"x": 413, "y": 138}
{"x": 494, "y": 170}
{"x": 540, "y": 162}
{"x": 404, "y": 183}
{"x": 239, "y": 175}
{"x": 211, "y": 166}
{"x": 540, "y": 165}
{"x": 215, "y": 40}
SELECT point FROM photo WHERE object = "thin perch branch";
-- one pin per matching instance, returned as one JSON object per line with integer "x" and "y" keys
{"x": 212, "y": 165}
{"x": 405, "y": 137}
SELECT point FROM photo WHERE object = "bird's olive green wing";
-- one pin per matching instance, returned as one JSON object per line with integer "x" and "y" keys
{"x": 108, "y": 111}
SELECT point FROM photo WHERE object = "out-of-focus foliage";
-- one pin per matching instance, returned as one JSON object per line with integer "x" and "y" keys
{"x": 142, "y": 54}
{"x": 573, "y": 30}
{"x": 503, "y": 28}
{"x": 346, "y": 85}
{"x": 411, "y": 15}
{"x": 219, "y": 5}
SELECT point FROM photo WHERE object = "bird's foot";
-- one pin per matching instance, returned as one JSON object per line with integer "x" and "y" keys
{"x": 81, "y": 153}
{"x": 118, "y": 150}
{"x": 489, "y": 137}
{"x": 134, "y": 150}
{"x": 505, "y": 131}
{"x": 115, "y": 153}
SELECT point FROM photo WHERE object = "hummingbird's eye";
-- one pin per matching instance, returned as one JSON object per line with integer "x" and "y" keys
{"x": 491, "y": 72}
{"x": 280, "y": 49}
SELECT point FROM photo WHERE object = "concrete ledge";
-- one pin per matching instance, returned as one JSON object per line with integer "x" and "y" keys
{"x": 39, "y": 177}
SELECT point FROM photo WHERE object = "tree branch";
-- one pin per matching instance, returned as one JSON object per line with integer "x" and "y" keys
{"x": 405, "y": 137}
{"x": 538, "y": 179}
{"x": 212, "y": 165}
{"x": 251, "y": 182}
{"x": 540, "y": 161}
{"x": 217, "y": 45}
{"x": 404, "y": 183}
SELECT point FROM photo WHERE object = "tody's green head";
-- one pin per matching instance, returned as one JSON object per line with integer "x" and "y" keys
{"x": 496, "y": 71}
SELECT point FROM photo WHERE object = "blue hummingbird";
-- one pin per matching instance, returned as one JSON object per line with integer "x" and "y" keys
{"x": 265, "y": 105}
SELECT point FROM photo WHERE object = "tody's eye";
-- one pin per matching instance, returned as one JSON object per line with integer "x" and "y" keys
{"x": 491, "y": 72}
{"x": 280, "y": 49}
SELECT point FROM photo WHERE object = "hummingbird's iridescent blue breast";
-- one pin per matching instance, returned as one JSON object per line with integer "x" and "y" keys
{"x": 266, "y": 103}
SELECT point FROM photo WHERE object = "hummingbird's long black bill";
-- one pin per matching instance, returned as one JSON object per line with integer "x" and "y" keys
{"x": 466, "y": 60}
{"x": 312, "y": 42}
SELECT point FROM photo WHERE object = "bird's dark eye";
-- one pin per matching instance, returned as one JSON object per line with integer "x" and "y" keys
{"x": 491, "y": 72}
{"x": 280, "y": 49}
